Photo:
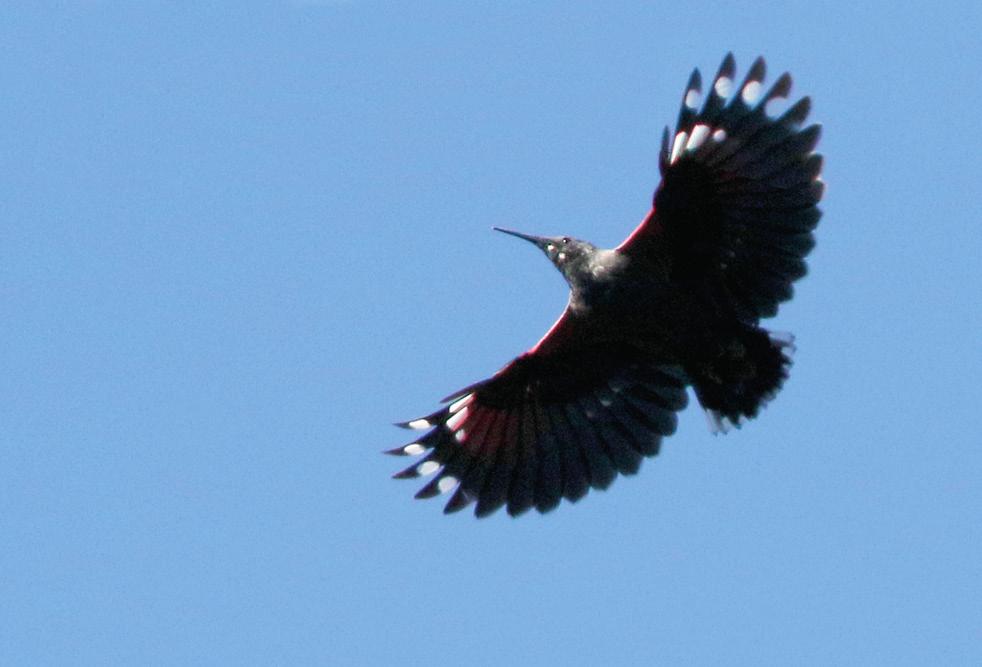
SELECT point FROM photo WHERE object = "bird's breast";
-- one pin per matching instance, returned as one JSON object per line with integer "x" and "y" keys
{"x": 629, "y": 299}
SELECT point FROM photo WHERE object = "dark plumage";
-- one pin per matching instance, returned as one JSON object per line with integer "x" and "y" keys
{"x": 677, "y": 304}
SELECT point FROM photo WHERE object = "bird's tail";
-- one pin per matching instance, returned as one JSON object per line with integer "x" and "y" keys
{"x": 747, "y": 367}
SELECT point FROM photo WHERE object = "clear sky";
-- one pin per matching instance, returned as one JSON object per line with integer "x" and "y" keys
{"x": 236, "y": 244}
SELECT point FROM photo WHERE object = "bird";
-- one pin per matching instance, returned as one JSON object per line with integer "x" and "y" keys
{"x": 676, "y": 305}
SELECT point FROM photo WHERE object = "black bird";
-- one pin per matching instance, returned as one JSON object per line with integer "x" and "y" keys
{"x": 676, "y": 304}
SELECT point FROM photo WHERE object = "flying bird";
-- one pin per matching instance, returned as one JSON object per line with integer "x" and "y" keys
{"x": 677, "y": 304}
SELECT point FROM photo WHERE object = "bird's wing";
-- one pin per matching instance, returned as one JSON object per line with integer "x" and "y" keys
{"x": 552, "y": 423}
{"x": 734, "y": 213}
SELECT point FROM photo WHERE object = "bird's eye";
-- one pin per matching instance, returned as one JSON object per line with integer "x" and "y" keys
{"x": 565, "y": 240}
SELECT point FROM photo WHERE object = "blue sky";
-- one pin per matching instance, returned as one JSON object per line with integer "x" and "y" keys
{"x": 236, "y": 244}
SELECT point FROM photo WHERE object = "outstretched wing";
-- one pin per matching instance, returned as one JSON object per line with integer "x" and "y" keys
{"x": 548, "y": 425}
{"x": 734, "y": 213}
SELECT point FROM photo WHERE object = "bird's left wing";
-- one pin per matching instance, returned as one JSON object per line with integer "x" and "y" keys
{"x": 733, "y": 216}
{"x": 550, "y": 424}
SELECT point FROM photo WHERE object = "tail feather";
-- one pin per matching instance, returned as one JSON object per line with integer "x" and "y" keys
{"x": 746, "y": 370}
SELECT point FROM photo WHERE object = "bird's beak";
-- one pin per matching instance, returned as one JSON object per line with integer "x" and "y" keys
{"x": 537, "y": 240}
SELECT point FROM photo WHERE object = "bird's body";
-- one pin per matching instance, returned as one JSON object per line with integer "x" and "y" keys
{"x": 618, "y": 298}
{"x": 677, "y": 304}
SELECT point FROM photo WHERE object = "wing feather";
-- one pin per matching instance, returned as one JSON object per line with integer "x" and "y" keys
{"x": 545, "y": 428}
{"x": 738, "y": 196}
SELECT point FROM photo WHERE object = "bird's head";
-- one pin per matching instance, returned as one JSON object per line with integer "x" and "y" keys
{"x": 571, "y": 256}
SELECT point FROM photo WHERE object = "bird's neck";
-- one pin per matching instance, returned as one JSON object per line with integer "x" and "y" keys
{"x": 594, "y": 281}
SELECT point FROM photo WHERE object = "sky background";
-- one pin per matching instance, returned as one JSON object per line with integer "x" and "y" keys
{"x": 236, "y": 244}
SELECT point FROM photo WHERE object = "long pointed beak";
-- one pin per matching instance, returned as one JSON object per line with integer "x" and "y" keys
{"x": 537, "y": 240}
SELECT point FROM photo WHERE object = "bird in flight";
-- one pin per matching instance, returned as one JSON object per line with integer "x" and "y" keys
{"x": 677, "y": 304}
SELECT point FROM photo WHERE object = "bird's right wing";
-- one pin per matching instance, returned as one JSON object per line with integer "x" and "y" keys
{"x": 550, "y": 424}
{"x": 733, "y": 216}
